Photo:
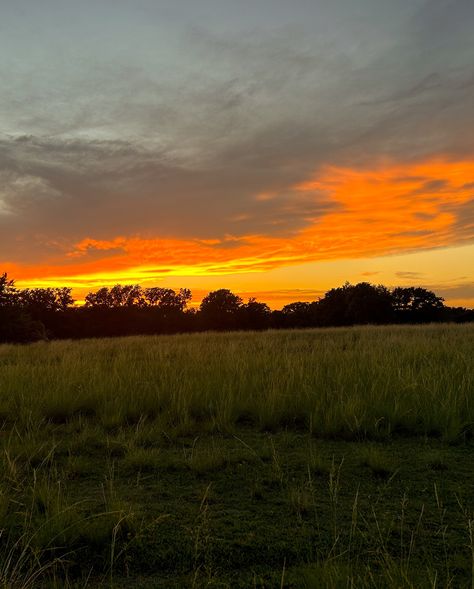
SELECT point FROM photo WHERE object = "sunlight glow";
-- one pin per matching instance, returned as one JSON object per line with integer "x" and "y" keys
{"x": 391, "y": 209}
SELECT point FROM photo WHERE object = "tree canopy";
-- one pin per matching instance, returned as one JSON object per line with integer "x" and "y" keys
{"x": 38, "y": 313}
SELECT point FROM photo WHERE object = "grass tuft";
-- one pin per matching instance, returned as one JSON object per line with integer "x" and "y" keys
{"x": 378, "y": 461}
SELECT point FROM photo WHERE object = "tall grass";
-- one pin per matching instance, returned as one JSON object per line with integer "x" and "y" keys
{"x": 97, "y": 437}
{"x": 359, "y": 382}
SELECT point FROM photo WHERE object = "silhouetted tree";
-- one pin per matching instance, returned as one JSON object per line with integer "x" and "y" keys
{"x": 8, "y": 292}
{"x": 368, "y": 303}
{"x": 415, "y": 304}
{"x": 16, "y": 324}
{"x": 349, "y": 304}
{"x": 458, "y": 314}
{"x": 100, "y": 299}
{"x": 129, "y": 295}
{"x": 254, "y": 315}
{"x": 31, "y": 314}
{"x": 167, "y": 299}
{"x": 41, "y": 300}
{"x": 298, "y": 314}
{"x": 129, "y": 309}
{"x": 219, "y": 309}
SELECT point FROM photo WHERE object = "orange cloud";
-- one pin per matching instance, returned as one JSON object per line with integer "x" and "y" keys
{"x": 391, "y": 208}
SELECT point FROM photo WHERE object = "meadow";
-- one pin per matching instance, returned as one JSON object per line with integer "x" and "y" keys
{"x": 312, "y": 458}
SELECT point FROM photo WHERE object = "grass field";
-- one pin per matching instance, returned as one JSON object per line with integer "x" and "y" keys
{"x": 323, "y": 458}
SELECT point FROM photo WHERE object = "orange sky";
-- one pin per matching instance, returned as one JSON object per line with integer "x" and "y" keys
{"x": 408, "y": 219}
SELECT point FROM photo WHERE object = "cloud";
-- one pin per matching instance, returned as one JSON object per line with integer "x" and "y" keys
{"x": 360, "y": 203}
{"x": 454, "y": 293}
{"x": 464, "y": 214}
{"x": 77, "y": 189}
{"x": 245, "y": 150}
{"x": 410, "y": 275}
{"x": 462, "y": 291}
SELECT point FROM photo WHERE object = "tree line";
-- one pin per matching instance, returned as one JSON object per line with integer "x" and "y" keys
{"x": 33, "y": 314}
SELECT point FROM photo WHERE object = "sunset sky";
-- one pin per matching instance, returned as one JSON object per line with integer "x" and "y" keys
{"x": 271, "y": 147}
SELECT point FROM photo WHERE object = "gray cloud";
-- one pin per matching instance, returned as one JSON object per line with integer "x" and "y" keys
{"x": 454, "y": 292}
{"x": 178, "y": 137}
{"x": 77, "y": 189}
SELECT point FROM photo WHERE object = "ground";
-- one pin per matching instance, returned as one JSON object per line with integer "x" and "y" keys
{"x": 204, "y": 485}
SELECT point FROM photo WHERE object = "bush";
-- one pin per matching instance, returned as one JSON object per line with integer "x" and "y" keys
{"x": 16, "y": 326}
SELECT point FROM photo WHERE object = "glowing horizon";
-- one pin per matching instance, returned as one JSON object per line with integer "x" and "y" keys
{"x": 376, "y": 201}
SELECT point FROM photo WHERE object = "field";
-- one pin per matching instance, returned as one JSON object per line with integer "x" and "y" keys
{"x": 320, "y": 458}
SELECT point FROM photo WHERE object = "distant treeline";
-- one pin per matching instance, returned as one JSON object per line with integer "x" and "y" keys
{"x": 49, "y": 313}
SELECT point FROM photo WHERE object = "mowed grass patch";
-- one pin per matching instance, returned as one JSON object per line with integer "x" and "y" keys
{"x": 227, "y": 509}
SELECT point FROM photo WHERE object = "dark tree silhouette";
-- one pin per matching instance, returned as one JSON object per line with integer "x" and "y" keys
{"x": 16, "y": 324}
{"x": 367, "y": 303}
{"x": 254, "y": 315}
{"x": 31, "y": 314}
{"x": 416, "y": 305}
{"x": 100, "y": 299}
{"x": 132, "y": 295}
{"x": 219, "y": 309}
{"x": 349, "y": 304}
{"x": 167, "y": 299}
{"x": 8, "y": 292}
{"x": 298, "y": 314}
{"x": 129, "y": 295}
{"x": 41, "y": 300}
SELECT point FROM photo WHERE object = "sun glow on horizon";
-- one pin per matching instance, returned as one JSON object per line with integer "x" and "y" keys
{"x": 391, "y": 209}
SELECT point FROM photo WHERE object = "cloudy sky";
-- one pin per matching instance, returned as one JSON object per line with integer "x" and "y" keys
{"x": 274, "y": 148}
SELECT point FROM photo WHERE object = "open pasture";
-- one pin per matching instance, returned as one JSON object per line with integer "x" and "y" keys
{"x": 319, "y": 458}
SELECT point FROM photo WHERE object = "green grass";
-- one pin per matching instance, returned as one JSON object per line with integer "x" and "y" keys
{"x": 351, "y": 383}
{"x": 323, "y": 458}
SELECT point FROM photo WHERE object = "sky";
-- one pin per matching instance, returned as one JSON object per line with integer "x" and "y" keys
{"x": 277, "y": 149}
